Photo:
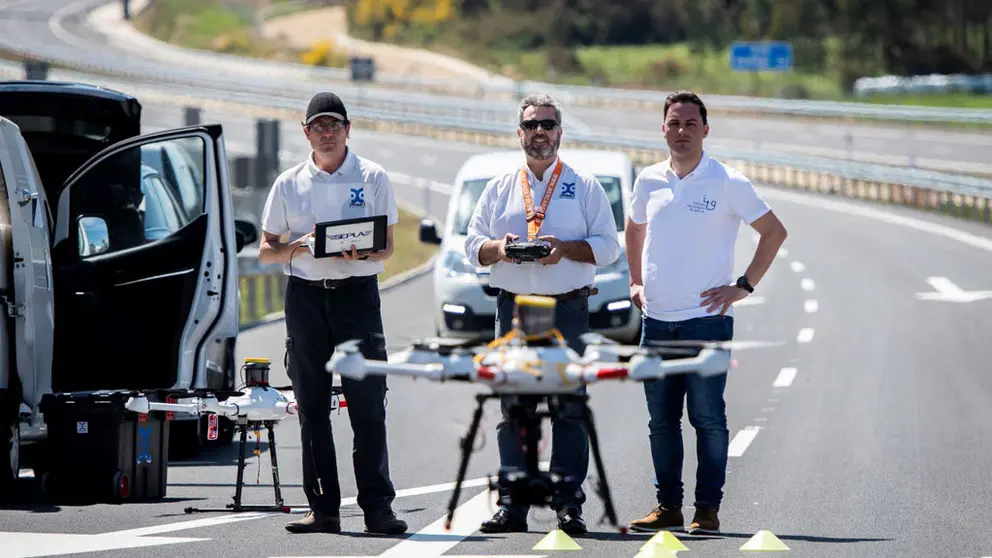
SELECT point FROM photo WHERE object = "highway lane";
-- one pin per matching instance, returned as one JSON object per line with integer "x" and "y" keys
{"x": 870, "y": 454}
{"x": 58, "y": 27}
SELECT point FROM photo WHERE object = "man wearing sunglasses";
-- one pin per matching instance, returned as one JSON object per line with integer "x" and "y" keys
{"x": 544, "y": 199}
{"x": 329, "y": 301}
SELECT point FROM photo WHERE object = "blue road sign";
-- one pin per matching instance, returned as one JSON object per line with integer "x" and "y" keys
{"x": 764, "y": 55}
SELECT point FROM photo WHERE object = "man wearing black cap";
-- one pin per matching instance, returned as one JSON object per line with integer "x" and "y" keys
{"x": 329, "y": 301}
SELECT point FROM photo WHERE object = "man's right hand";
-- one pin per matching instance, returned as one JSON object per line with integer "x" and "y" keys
{"x": 637, "y": 296}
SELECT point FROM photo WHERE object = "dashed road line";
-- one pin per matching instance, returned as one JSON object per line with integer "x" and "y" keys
{"x": 807, "y": 284}
{"x": 805, "y": 335}
{"x": 798, "y": 267}
{"x": 785, "y": 378}
{"x": 742, "y": 440}
{"x": 811, "y": 306}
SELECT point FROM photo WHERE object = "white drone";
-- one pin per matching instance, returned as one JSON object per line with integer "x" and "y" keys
{"x": 533, "y": 363}
{"x": 257, "y": 404}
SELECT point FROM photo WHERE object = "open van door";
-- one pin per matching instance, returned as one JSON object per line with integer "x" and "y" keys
{"x": 143, "y": 281}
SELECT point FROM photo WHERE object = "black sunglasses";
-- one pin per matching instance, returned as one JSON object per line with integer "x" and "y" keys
{"x": 547, "y": 124}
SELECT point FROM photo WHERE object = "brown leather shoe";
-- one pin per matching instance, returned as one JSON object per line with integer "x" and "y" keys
{"x": 705, "y": 521}
{"x": 314, "y": 523}
{"x": 660, "y": 519}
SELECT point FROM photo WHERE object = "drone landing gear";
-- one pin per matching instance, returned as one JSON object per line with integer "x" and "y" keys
{"x": 533, "y": 486}
{"x": 237, "y": 506}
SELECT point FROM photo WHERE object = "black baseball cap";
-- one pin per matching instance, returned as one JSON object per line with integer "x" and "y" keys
{"x": 326, "y": 104}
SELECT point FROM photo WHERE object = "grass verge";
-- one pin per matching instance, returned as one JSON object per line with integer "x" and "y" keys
{"x": 263, "y": 295}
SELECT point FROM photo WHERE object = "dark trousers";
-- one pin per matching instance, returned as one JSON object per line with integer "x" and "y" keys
{"x": 707, "y": 414}
{"x": 317, "y": 319}
{"x": 570, "y": 441}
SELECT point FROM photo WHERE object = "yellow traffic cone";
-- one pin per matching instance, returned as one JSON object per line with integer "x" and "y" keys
{"x": 667, "y": 540}
{"x": 764, "y": 541}
{"x": 557, "y": 540}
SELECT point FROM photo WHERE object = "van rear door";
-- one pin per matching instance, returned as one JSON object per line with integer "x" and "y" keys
{"x": 142, "y": 286}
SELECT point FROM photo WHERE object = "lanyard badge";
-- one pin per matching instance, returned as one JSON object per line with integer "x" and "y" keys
{"x": 535, "y": 218}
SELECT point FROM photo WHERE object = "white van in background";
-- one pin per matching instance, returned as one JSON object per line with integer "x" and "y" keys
{"x": 465, "y": 304}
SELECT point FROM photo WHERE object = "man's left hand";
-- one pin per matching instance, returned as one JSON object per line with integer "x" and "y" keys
{"x": 722, "y": 298}
{"x": 557, "y": 250}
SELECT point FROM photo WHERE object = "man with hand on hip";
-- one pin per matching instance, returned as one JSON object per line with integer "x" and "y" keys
{"x": 544, "y": 199}
{"x": 681, "y": 234}
{"x": 330, "y": 301}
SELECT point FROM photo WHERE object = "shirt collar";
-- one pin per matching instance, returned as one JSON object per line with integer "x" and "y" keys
{"x": 346, "y": 165}
{"x": 547, "y": 172}
{"x": 704, "y": 163}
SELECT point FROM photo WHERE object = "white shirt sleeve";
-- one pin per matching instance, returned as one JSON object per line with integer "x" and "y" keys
{"x": 639, "y": 201}
{"x": 744, "y": 199}
{"x": 385, "y": 198}
{"x": 480, "y": 225}
{"x": 601, "y": 223}
{"x": 274, "y": 218}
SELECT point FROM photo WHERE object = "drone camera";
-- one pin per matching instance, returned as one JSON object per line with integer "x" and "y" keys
{"x": 535, "y": 314}
{"x": 257, "y": 371}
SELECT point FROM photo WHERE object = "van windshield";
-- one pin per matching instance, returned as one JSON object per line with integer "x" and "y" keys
{"x": 472, "y": 190}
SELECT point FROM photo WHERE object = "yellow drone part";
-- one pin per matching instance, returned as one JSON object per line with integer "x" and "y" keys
{"x": 535, "y": 301}
{"x": 257, "y": 360}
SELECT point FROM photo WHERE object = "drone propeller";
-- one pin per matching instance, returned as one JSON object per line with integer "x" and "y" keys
{"x": 697, "y": 346}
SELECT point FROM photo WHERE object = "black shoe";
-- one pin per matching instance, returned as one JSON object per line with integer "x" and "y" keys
{"x": 315, "y": 523}
{"x": 570, "y": 520}
{"x": 503, "y": 522}
{"x": 384, "y": 522}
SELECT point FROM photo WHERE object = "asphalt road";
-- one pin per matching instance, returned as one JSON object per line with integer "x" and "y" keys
{"x": 56, "y": 27}
{"x": 866, "y": 432}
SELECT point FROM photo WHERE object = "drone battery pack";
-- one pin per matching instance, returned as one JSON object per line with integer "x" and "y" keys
{"x": 99, "y": 451}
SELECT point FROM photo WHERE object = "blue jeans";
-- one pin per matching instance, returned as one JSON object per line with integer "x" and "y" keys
{"x": 569, "y": 439}
{"x": 707, "y": 415}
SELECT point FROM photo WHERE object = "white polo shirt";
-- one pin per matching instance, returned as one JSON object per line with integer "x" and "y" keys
{"x": 692, "y": 227}
{"x": 580, "y": 210}
{"x": 304, "y": 195}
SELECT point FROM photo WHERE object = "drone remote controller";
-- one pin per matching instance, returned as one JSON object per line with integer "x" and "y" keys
{"x": 528, "y": 250}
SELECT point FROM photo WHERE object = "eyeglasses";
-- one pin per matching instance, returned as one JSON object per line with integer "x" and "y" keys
{"x": 548, "y": 124}
{"x": 321, "y": 127}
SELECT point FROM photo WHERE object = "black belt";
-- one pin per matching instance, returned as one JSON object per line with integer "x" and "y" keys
{"x": 570, "y": 295}
{"x": 333, "y": 283}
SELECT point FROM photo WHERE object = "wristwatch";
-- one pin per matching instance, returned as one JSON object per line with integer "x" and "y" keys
{"x": 742, "y": 283}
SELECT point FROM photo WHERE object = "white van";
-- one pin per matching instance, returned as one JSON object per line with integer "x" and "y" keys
{"x": 465, "y": 304}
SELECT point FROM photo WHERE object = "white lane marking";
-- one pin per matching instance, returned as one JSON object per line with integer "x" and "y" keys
{"x": 805, "y": 335}
{"x": 742, "y": 440}
{"x": 807, "y": 284}
{"x": 958, "y": 235}
{"x": 785, "y": 378}
{"x": 948, "y": 291}
{"x": 798, "y": 267}
{"x": 810, "y": 306}
{"x": 30, "y": 545}
{"x": 783, "y": 253}
{"x": 433, "y": 540}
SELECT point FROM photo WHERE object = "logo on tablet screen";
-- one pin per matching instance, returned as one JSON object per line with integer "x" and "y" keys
{"x": 358, "y": 197}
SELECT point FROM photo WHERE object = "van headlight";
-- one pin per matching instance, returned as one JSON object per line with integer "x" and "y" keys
{"x": 456, "y": 263}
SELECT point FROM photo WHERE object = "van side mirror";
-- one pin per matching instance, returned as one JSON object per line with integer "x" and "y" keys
{"x": 94, "y": 238}
{"x": 428, "y": 232}
{"x": 245, "y": 233}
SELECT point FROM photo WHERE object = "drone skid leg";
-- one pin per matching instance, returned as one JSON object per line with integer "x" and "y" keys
{"x": 237, "y": 506}
{"x": 604, "y": 486}
{"x": 468, "y": 442}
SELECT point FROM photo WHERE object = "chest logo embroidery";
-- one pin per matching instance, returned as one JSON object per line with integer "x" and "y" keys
{"x": 703, "y": 206}
{"x": 567, "y": 190}
{"x": 358, "y": 197}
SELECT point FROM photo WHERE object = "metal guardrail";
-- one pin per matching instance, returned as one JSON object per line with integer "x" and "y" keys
{"x": 271, "y": 77}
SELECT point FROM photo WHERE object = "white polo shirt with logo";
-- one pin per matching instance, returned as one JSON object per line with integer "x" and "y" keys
{"x": 578, "y": 210}
{"x": 692, "y": 228}
{"x": 305, "y": 195}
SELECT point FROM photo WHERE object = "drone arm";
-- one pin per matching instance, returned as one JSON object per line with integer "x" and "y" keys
{"x": 707, "y": 363}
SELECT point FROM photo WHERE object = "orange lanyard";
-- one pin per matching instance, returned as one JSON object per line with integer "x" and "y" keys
{"x": 535, "y": 218}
